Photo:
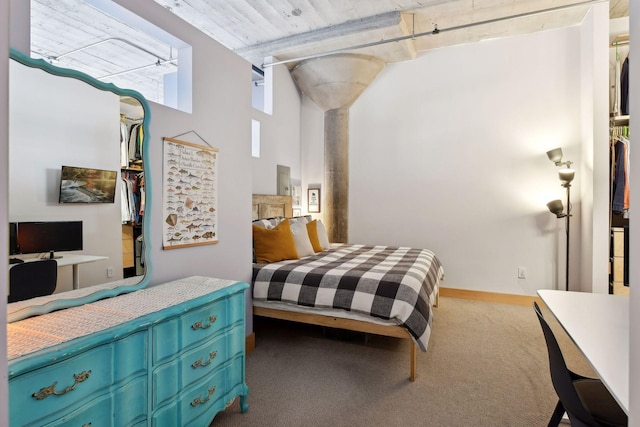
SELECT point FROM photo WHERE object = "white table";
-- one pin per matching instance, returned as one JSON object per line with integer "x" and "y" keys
{"x": 599, "y": 326}
{"x": 74, "y": 261}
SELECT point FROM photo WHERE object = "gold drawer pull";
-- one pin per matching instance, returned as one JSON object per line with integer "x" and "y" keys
{"x": 199, "y": 325}
{"x": 48, "y": 391}
{"x": 199, "y": 362}
{"x": 199, "y": 400}
{"x": 86, "y": 425}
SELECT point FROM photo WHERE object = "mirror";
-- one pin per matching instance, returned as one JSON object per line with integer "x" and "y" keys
{"x": 60, "y": 117}
{"x": 284, "y": 180}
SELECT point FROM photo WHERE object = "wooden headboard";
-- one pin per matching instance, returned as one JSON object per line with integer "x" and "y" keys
{"x": 270, "y": 206}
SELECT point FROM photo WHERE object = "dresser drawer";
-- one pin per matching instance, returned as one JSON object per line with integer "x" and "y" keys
{"x": 130, "y": 403}
{"x": 176, "y": 335}
{"x": 618, "y": 241}
{"x": 130, "y": 356}
{"x": 618, "y": 270}
{"x": 95, "y": 414}
{"x": 195, "y": 364}
{"x": 123, "y": 407}
{"x": 60, "y": 387}
{"x": 194, "y": 401}
{"x": 202, "y": 414}
{"x": 191, "y": 407}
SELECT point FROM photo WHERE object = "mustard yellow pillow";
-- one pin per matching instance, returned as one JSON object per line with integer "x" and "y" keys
{"x": 274, "y": 245}
{"x": 312, "y": 229}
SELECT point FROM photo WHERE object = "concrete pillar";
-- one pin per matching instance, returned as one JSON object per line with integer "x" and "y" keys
{"x": 336, "y": 174}
{"x": 334, "y": 83}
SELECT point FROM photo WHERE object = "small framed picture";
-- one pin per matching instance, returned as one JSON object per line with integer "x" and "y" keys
{"x": 313, "y": 200}
{"x": 296, "y": 195}
{"x": 297, "y": 212}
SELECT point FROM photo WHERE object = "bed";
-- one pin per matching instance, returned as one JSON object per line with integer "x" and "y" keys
{"x": 380, "y": 290}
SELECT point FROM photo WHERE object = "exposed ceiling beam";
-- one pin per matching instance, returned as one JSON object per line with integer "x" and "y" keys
{"x": 348, "y": 28}
{"x": 437, "y": 31}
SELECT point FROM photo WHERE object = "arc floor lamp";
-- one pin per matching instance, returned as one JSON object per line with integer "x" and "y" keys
{"x": 566, "y": 175}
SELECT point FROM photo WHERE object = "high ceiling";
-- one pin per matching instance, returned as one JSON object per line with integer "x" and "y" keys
{"x": 285, "y": 30}
{"x": 289, "y": 29}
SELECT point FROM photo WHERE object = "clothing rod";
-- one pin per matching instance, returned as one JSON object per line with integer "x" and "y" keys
{"x": 435, "y": 32}
{"x": 621, "y": 40}
{"x": 623, "y": 43}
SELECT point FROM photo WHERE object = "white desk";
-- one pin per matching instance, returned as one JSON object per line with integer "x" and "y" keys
{"x": 73, "y": 260}
{"x": 599, "y": 326}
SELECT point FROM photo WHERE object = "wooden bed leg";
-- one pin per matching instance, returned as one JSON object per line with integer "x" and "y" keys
{"x": 414, "y": 359}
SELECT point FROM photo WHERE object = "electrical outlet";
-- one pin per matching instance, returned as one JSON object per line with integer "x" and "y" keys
{"x": 522, "y": 273}
{"x": 109, "y": 271}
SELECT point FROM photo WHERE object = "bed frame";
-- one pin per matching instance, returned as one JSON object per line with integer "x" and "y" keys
{"x": 266, "y": 206}
{"x": 340, "y": 323}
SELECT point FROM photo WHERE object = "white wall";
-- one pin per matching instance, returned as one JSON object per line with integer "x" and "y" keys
{"x": 66, "y": 122}
{"x": 222, "y": 116}
{"x": 592, "y": 243}
{"x": 312, "y": 151}
{"x": 279, "y": 135}
{"x": 447, "y": 152}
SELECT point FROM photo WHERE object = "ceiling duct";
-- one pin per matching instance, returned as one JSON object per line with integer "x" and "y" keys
{"x": 435, "y": 31}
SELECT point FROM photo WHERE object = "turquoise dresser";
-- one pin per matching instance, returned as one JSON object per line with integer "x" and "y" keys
{"x": 169, "y": 355}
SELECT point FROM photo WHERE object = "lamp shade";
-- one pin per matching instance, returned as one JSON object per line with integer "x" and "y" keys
{"x": 555, "y": 155}
{"x": 555, "y": 207}
{"x": 566, "y": 175}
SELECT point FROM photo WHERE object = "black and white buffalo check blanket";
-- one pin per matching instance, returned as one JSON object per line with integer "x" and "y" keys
{"x": 386, "y": 282}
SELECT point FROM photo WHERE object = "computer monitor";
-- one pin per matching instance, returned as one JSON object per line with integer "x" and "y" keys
{"x": 13, "y": 238}
{"x": 49, "y": 236}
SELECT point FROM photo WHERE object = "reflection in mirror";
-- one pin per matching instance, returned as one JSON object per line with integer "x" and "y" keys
{"x": 76, "y": 154}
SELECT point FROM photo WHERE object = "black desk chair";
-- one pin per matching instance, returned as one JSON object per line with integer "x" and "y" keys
{"x": 32, "y": 279}
{"x": 586, "y": 401}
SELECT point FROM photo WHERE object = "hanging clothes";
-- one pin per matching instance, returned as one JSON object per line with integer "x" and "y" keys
{"x": 616, "y": 87}
{"x": 136, "y": 136}
{"x": 131, "y": 138}
{"x": 133, "y": 197}
{"x": 620, "y": 202}
{"x": 125, "y": 205}
{"x": 624, "y": 87}
{"x": 124, "y": 143}
{"x": 627, "y": 167}
{"x": 142, "y": 195}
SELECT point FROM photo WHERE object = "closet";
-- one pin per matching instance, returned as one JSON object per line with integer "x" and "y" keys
{"x": 132, "y": 188}
{"x": 619, "y": 147}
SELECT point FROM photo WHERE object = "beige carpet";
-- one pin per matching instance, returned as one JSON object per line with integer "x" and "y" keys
{"x": 486, "y": 365}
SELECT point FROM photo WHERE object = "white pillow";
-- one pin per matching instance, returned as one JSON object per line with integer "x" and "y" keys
{"x": 305, "y": 219}
{"x": 301, "y": 239}
{"x": 323, "y": 238}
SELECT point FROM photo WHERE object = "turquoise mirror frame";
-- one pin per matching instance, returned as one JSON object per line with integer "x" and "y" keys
{"x": 43, "y": 305}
